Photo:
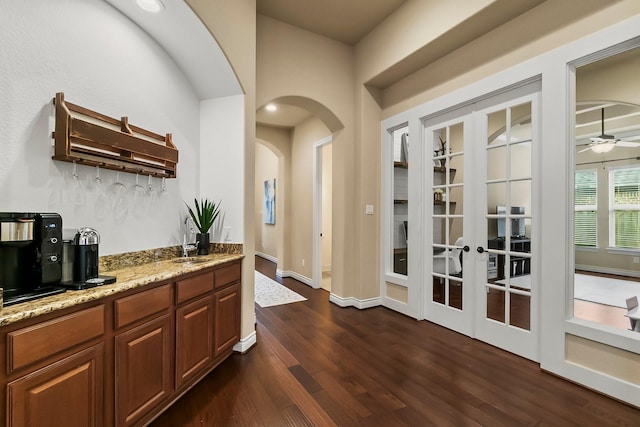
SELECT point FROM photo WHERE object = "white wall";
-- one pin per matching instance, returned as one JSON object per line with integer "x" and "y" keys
{"x": 101, "y": 61}
{"x": 221, "y": 159}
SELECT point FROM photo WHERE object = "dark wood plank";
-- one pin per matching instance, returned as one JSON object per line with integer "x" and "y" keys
{"x": 319, "y": 364}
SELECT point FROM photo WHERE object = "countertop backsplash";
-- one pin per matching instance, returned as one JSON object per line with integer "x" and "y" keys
{"x": 127, "y": 259}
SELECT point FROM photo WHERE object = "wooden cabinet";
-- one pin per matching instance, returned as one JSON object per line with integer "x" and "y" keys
{"x": 194, "y": 338}
{"x": 142, "y": 369}
{"x": 122, "y": 359}
{"x": 227, "y": 318}
{"x": 66, "y": 393}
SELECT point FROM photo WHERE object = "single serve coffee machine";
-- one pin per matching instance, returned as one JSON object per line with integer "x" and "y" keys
{"x": 81, "y": 258}
{"x": 30, "y": 255}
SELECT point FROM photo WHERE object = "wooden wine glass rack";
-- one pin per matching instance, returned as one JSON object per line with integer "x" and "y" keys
{"x": 86, "y": 137}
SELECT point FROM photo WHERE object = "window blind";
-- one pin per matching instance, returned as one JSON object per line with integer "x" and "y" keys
{"x": 586, "y": 208}
{"x": 626, "y": 207}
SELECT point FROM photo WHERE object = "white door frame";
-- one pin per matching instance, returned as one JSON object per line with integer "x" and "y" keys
{"x": 316, "y": 267}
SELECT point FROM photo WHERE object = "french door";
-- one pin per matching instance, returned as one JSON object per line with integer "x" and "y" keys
{"x": 449, "y": 296}
{"x": 481, "y": 252}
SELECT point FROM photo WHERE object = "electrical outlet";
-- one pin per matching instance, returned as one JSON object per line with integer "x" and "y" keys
{"x": 303, "y": 262}
{"x": 636, "y": 260}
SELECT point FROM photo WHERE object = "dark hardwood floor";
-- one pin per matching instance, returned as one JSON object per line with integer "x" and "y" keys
{"x": 317, "y": 364}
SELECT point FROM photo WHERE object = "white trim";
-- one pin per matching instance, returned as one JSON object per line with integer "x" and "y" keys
{"x": 399, "y": 306}
{"x": 267, "y": 257}
{"x": 299, "y": 277}
{"x": 607, "y": 270}
{"x": 246, "y": 343}
{"x": 623, "y": 251}
{"x": 616, "y": 337}
{"x": 354, "y": 302}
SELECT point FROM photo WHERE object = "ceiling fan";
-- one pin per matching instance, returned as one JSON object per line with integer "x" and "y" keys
{"x": 605, "y": 143}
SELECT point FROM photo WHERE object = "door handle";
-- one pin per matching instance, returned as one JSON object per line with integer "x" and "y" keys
{"x": 480, "y": 249}
{"x": 466, "y": 248}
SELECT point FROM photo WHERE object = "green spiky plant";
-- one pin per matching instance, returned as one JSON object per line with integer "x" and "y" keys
{"x": 205, "y": 215}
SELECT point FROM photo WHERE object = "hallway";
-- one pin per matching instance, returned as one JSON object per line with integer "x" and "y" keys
{"x": 316, "y": 364}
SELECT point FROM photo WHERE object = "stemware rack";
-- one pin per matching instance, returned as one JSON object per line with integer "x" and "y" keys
{"x": 94, "y": 139}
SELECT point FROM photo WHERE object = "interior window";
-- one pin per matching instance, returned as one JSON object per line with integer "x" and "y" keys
{"x": 607, "y": 190}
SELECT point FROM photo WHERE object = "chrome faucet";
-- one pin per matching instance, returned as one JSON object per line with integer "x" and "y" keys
{"x": 186, "y": 247}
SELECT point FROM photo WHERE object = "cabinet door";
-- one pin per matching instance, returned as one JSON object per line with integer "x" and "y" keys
{"x": 194, "y": 338}
{"x": 143, "y": 369}
{"x": 67, "y": 393}
{"x": 227, "y": 322}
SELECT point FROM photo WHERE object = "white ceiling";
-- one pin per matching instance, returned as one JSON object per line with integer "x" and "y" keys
{"x": 344, "y": 20}
{"x": 183, "y": 36}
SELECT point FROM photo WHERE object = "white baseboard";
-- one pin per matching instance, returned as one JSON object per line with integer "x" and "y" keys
{"x": 267, "y": 257}
{"x": 354, "y": 302}
{"x": 246, "y": 343}
{"x": 607, "y": 270}
{"x": 299, "y": 277}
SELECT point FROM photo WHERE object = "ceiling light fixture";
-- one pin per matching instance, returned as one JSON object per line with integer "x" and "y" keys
{"x": 271, "y": 107}
{"x": 153, "y": 6}
{"x": 604, "y": 147}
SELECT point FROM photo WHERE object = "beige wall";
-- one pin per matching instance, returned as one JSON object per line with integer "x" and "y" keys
{"x": 266, "y": 169}
{"x": 278, "y": 141}
{"x": 549, "y": 25}
{"x": 301, "y": 224}
{"x": 294, "y": 62}
{"x": 600, "y": 357}
{"x": 224, "y": 19}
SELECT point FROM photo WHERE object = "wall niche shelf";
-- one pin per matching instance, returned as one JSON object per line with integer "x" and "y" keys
{"x": 93, "y": 139}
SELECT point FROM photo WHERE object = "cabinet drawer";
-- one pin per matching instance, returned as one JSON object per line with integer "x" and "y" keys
{"x": 194, "y": 286}
{"x": 131, "y": 309}
{"x": 29, "y": 345}
{"x": 227, "y": 275}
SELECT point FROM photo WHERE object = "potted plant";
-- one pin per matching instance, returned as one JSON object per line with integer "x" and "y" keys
{"x": 204, "y": 216}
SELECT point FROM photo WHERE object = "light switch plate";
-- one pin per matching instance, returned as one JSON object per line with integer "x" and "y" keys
{"x": 368, "y": 210}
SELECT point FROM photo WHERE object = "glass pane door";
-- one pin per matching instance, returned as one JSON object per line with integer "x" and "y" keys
{"x": 448, "y": 297}
{"x": 506, "y": 303}
{"x": 448, "y": 206}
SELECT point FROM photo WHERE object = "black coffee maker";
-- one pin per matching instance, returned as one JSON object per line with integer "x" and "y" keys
{"x": 85, "y": 260}
{"x": 30, "y": 255}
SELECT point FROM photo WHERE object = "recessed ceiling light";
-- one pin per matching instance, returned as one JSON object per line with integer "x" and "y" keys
{"x": 153, "y": 6}
{"x": 271, "y": 107}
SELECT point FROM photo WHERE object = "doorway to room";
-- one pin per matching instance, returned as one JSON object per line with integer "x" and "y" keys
{"x": 322, "y": 218}
{"x": 480, "y": 204}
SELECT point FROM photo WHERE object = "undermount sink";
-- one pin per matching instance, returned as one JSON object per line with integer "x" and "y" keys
{"x": 189, "y": 259}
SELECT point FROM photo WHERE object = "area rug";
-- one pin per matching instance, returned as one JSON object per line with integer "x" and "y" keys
{"x": 601, "y": 290}
{"x": 269, "y": 292}
{"x": 604, "y": 290}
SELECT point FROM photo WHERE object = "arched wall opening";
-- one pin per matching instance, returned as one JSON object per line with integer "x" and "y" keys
{"x": 294, "y": 148}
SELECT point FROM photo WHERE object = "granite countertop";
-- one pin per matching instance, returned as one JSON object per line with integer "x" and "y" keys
{"x": 127, "y": 277}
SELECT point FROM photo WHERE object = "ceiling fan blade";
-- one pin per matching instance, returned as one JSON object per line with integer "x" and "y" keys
{"x": 627, "y": 144}
{"x": 585, "y": 149}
